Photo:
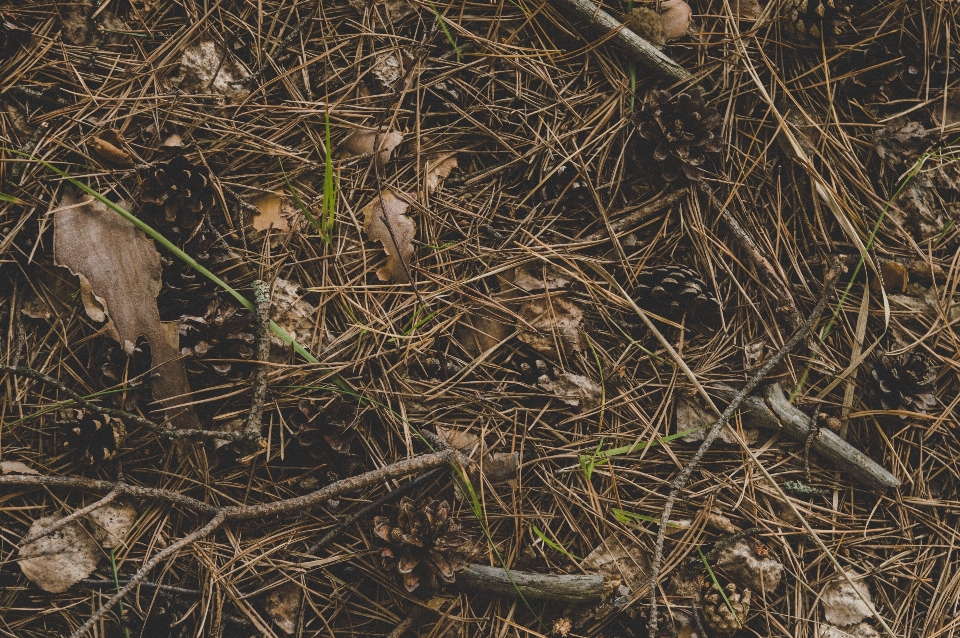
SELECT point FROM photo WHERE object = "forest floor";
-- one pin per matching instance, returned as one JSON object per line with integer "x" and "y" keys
{"x": 515, "y": 270}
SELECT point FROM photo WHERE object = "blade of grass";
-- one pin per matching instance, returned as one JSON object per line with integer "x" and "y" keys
{"x": 330, "y": 191}
{"x": 303, "y": 207}
{"x": 552, "y": 544}
{"x": 446, "y": 31}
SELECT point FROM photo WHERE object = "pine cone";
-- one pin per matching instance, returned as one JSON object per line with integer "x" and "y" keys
{"x": 810, "y": 21}
{"x": 117, "y": 368}
{"x": 673, "y": 291}
{"x": 177, "y": 193}
{"x": 682, "y": 130}
{"x": 905, "y": 381}
{"x": 424, "y": 544}
{"x": 327, "y": 421}
{"x": 215, "y": 342}
{"x": 13, "y": 35}
{"x": 96, "y": 436}
{"x": 716, "y": 614}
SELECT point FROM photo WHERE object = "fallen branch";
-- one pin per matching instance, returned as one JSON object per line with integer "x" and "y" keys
{"x": 254, "y": 424}
{"x": 566, "y": 588}
{"x": 773, "y": 411}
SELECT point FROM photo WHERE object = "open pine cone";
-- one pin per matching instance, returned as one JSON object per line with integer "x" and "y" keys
{"x": 424, "y": 545}
{"x": 905, "y": 381}
{"x": 674, "y": 291}
{"x": 717, "y": 616}
{"x": 177, "y": 193}
{"x": 809, "y": 21}
{"x": 682, "y": 130}
{"x": 325, "y": 421}
{"x": 96, "y": 436}
{"x": 218, "y": 344}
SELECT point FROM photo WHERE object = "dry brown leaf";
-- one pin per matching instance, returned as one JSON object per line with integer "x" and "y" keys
{"x": 58, "y": 561}
{"x": 204, "y": 68}
{"x": 746, "y": 10}
{"x": 387, "y": 69}
{"x": 438, "y": 170}
{"x": 536, "y": 276}
{"x": 119, "y": 271}
{"x": 841, "y": 604}
{"x": 275, "y": 211}
{"x": 895, "y": 277}
{"x": 394, "y": 230}
{"x": 753, "y": 565}
{"x": 572, "y": 389}
{"x": 556, "y": 321}
{"x": 111, "y": 523}
{"x": 296, "y": 316}
{"x": 109, "y": 147}
{"x": 461, "y": 439}
{"x": 860, "y": 630}
{"x": 395, "y": 9}
{"x": 480, "y": 331}
{"x": 676, "y": 16}
{"x": 360, "y": 142}
{"x": 620, "y": 558}
{"x": 720, "y": 522}
{"x": 283, "y": 605}
{"x": 947, "y": 114}
{"x": 690, "y": 414}
{"x": 501, "y": 467}
{"x": 16, "y": 467}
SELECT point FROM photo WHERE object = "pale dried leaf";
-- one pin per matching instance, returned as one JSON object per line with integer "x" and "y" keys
{"x": 438, "y": 170}
{"x": 572, "y": 389}
{"x": 292, "y": 313}
{"x": 536, "y": 276}
{"x": 841, "y": 604}
{"x": 109, "y": 147}
{"x": 283, "y": 605}
{"x": 463, "y": 440}
{"x": 555, "y": 322}
{"x": 204, "y": 68}
{"x": 119, "y": 271}
{"x": 720, "y": 522}
{"x": 501, "y": 467}
{"x": 387, "y": 69}
{"x": 676, "y": 16}
{"x": 58, "y": 561}
{"x": 111, "y": 523}
{"x": 16, "y": 467}
{"x": 394, "y": 230}
{"x": 395, "y": 9}
{"x": 478, "y": 332}
{"x": 749, "y": 561}
{"x": 172, "y": 141}
{"x": 691, "y": 414}
{"x": 895, "y": 277}
{"x": 360, "y": 142}
{"x": 275, "y": 212}
{"x": 860, "y": 630}
{"x": 620, "y": 558}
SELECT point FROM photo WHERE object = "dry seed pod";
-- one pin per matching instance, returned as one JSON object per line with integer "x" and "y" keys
{"x": 905, "y": 381}
{"x": 682, "y": 130}
{"x": 673, "y": 291}
{"x": 96, "y": 436}
{"x": 177, "y": 193}
{"x": 722, "y": 619}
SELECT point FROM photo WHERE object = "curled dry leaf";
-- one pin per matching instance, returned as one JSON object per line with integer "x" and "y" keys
{"x": 110, "y": 147}
{"x": 555, "y": 321}
{"x": 111, "y": 523}
{"x": 860, "y": 630}
{"x": 275, "y": 212}
{"x": 572, "y": 389}
{"x": 119, "y": 271}
{"x": 395, "y": 231}
{"x": 58, "y": 561}
{"x": 282, "y": 605}
{"x": 360, "y": 142}
{"x": 676, "y": 16}
{"x": 16, "y": 467}
{"x": 438, "y": 170}
{"x": 461, "y": 439}
{"x": 387, "y": 69}
{"x": 841, "y": 604}
{"x": 289, "y": 311}
{"x": 206, "y": 67}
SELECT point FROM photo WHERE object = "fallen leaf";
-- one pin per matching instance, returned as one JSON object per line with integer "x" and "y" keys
{"x": 895, "y": 278}
{"x": 537, "y": 276}
{"x": 206, "y": 67}
{"x": 394, "y": 230}
{"x": 720, "y": 522}
{"x": 283, "y": 605}
{"x": 16, "y": 467}
{"x": 947, "y": 113}
{"x": 861, "y": 630}
{"x": 461, "y": 439}
{"x": 752, "y": 564}
{"x": 274, "y": 211}
{"x": 108, "y": 146}
{"x": 676, "y": 16}
{"x": 841, "y": 604}
{"x": 395, "y": 9}
{"x": 58, "y": 561}
{"x": 555, "y": 322}
{"x": 360, "y": 142}
{"x": 481, "y": 330}
{"x": 438, "y": 170}
{"x": 746, "y": 10}
{"x": 900, "y": 142}
{"x": 620, "y": 558}
{"x": 572, "y": 389}
{"x": 387, "y": 69}
{"x": 111, "y": 523}
{"x": 292, "y": 313}
{"x": 690, "y": 414}
{"x": 119, "y": 271}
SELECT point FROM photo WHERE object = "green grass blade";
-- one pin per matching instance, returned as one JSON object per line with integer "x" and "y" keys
{"x": 303, "y": 207}
{"x": 552, "y": 544}
{"x": 329, "y": 184}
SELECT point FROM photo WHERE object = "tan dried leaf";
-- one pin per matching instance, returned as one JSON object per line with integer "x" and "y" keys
{"x": 572, "y": 389}
{"x": 292, "y": 313}
{"x": 394, "y": 230}
{"x": 746, "y": 10}
{"x": 58, "y": 561}
{"x": 841, "y": 604}
{"x": 460, "y": 439}
{"x": 360, "y": 142}
{"x": 947, "y": 113}
{"x": 438, "y": 170}
{"x": 620, "y": 558}
{"x": 119, "y": 271}
{"x": 555, "y": 321}
{"x": 895, "y": 277}
{"x": 480, "y": 331}
{"x": 537, "y": 276}
{"x": 204, "y": 68}
{"x": 676, "y": 16}
{"x": 109, "y": 147}
{"x": 753, "y": 565}
{"x": 690, "y": 414}
{"x": 16, "y": 467}
{"x": 111, "y": 523}
{"x": 275, "y": 211}
{"x": 282, "y": 605}
{"x": 720, "y": 522}
{"x": 387, "y": 69}
{"x": 395, "y": 9}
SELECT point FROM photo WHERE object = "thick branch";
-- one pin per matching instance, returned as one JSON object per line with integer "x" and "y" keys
{"x": 566, "y": 588}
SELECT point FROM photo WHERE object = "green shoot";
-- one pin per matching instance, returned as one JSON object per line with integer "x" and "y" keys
{"x": 303, "y": 207}
{"x": 598, "y": 457}
{"x": 716, "y": 584}
{"x": 589, "y": 461}
{"x": 446, "y": 31}
{"x": 415, "y": 323}
{"x": 116, "y": 582}
{"x": 552, "y": 544}
{"x": 329, "y": 185}
{"x": 9, "y": 199}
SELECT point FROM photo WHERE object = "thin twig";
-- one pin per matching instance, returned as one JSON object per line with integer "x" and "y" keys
{"x": 406, "y": 624}
{"x": 252, "y": 429}
{"x": 684, "y": 476}
{"x": 167, "y": 589}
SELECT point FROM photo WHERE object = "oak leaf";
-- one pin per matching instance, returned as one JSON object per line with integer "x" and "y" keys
{"x": 394, "y": 230}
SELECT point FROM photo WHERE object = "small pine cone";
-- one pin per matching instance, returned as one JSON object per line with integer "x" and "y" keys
{"x": 717, "y": 616}
{"x": 13, "y": 35}
{"x": 905, "y": 381}
{"x": 117, "y": 368}
{"x": 682, "y": 130}
{"x": 810, "y": 21}
{"x": 218, "y": 344}
{"x": 177, "y": 193}
{"x": 96, "y": 436}
{"x": 327, "y": 421}
{"x": 424, "y": 545}
{"x": 674, "y": 291}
